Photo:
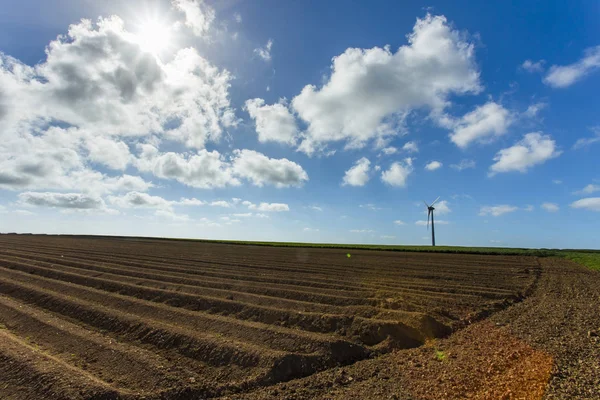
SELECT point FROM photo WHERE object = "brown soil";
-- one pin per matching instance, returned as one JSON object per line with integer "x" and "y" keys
{"x": 118, "y": 318}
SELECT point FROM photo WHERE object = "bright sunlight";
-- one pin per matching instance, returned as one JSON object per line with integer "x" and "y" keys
{"x": 154, "y": 36}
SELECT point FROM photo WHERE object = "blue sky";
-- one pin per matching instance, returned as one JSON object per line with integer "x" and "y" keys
{"x": 302, "y": 121}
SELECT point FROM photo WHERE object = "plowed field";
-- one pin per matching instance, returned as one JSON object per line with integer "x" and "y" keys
{"x": 105, "y": 318}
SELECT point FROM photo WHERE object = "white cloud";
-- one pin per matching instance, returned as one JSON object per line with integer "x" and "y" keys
{"x": 589, "y": 203}
{"x": 139, "y": 200}
{"x": 198, "y": 15}
{"x": 370, "y": 206}
{"x": 557, "y": 181}
{"x": 190, "y": 202}
{"x": 61, "y": 200}
{"x": 463, "y": 164}
{"x": 531, "y": 66}
{"x": 533, "y": 149}
{"x": 482, "y": 125}
{"x": 398, "y": 222}
{"x": 205, "y": 169}
{"x": 411, "y": 147}
{"x": 108, "y": 152}
{"x": 265, "y": 51}
{"x": 497, "y": 211}
{"x": 237, "y": 17}
{"x": 98, "y": 78}
{"x": 437, "y": 221}
{"x": 110, "y": 93}
{"x": 135, "y": 199}
{"x": 316, "y": 208}
{"x": 589, "y": 189}
{"x": 528, "y": 208}
{"x": 358, "y": 175}
{"x": 262, "y": 170}
{"x": 564, "y": 76}
{"x": 387, "y": 237}
{"x": 230, "y": 221}
{"x": 170, "y": 214}
{"x": 220, "y": 203}
{"x": 362, "y": 231}
{"x": 310, "y": 230}
{"x": 441, "y": 208}
{"x": 370, "y": 91}
{"x": 534, "y": 109}
{"x": 274, "y": 123}
{"x": 584, "y": 142}
{"x": 388, "y": 151}
{"x": 550, "y": 207}
{"x": 267, "y": 207}
{"x": 398, "y": 173}
{"x": 242, "y": 215}
{"x": 432, "y": 166}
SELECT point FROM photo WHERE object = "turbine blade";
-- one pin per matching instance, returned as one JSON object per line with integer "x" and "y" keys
{"x": 426, "y": 205}
{"x": 435, "y": 201}
{"x": 428, "y": 214}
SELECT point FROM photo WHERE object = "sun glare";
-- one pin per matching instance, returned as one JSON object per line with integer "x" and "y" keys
{"x": 153, "y": 36}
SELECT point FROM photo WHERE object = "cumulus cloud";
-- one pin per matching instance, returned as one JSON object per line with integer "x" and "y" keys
{"x": 410, "y": 147}
{"x": 139, "y": 200}
{"x": 370, "y": 91}
{"x": 144, "y": 200}
{"x": 550, "y": 207}
{"x": 220, "y": 203}
{"x": 262, "y": 170}
{"x": 531, "y": 66}
{"x": 432, "y": 166}
{"x": 274, "y": 123}
{"x": 111, "y": 153}
{"x": 399, "y": 222}
{"x": 566, "y": 75}
{"x": 482, "y": 125}
{"x": 358, "y": 175}
{"x": 497, "y": 211}
{"x": 61, "y": 200}
{"x": 534, "y": 109}
{"x": 205, "y": 169}
{"x": 265, "y": 51}
{"x": 398, "y": 173}
{"x": 267, "y": 207}
{"x": 533, "y": 149}
{"x": 198, "y": 15}
{"x": 463, "y": 164}
{"x": 585, "y": 142}
{"x": 589, "y": 189}
{"x": 388, "y": 151}
{"x": 107, "y": 93}
{"x": 316, "y": 208}
{"x": 98, "y": 78}
{"x": 442, "y": 207}
{"x": 362, "y": 230}
{"x": 588, "y": 203}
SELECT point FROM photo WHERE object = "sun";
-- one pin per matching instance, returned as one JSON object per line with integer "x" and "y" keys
{"x": 153, "y": 36}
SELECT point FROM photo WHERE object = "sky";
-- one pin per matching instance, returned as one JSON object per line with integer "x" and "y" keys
{"x": 313, "y": 121}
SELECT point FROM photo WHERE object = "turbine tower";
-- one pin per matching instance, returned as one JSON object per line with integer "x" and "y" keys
{"x": 430, "y": 209}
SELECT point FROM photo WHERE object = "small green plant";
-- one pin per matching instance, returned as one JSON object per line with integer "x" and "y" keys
{"x": 440, "y": 355}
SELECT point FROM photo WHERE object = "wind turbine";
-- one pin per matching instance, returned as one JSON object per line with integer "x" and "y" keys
{"x": 430, "y": 209}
